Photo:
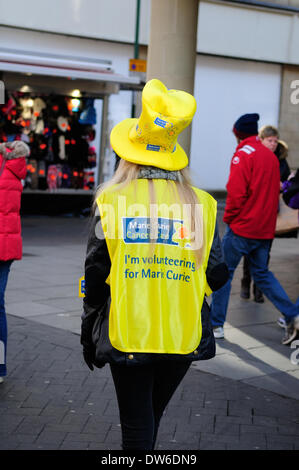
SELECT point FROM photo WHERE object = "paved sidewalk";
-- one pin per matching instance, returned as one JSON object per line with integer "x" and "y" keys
{"x": 51, "y": 400}
{"x": 244, "y": 398}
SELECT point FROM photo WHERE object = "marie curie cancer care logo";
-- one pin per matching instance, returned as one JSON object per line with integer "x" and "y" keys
{"x": 162, "y": 123}
{"x": 163, "y": 230}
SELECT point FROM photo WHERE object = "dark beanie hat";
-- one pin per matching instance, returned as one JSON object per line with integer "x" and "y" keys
{"x": 246, "y": 125}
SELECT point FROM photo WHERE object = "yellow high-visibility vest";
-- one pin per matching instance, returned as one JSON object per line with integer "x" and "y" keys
{"x": 157, "y": 291}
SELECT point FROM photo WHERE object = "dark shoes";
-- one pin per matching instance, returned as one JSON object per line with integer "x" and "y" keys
{"x": 257, "y": 293}
{"x": 245, "y": 290}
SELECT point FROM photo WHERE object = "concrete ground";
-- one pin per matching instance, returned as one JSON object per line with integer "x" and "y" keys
{"x": 244, "y": 398}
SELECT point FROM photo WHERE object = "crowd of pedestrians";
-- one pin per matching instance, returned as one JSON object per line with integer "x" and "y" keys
{"x": 257, "y": 175}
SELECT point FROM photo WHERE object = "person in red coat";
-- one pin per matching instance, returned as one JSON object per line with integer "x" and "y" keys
{"x": 269, "y": 137}
{"x": 250, "y": 214}
{"x": 12, "y": 171}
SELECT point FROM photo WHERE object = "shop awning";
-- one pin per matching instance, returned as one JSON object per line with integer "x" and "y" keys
{"x": 60, "y": 74}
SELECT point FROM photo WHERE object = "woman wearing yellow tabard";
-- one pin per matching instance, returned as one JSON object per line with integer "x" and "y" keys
{"x": 153, "y": 255}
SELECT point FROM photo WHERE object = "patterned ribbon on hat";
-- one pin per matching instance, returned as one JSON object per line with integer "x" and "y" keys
{"x": 151, "y": 172}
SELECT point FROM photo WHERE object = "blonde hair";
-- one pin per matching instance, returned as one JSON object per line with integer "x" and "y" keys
{"x": 268, "y": 131}
{"x": 128, "y": 172}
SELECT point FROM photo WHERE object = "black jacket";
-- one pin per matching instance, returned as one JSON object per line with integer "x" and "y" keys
{"x": 95, "y": 318}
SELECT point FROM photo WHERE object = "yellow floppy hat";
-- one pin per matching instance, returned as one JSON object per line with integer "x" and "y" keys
{"x": 152, "y": 139}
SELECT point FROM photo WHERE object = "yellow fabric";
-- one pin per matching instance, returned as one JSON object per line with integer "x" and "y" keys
{"x": 156, "y": 290}
{"x": 152, "y": 139}
{"x": 208, "y": 290}
{"x": 82, "y": 286}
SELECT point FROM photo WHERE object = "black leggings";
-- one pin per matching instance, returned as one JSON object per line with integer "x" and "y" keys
{"x": 143, "y": 393}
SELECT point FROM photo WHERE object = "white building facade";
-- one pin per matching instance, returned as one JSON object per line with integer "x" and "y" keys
{"x": 247, "y": 61}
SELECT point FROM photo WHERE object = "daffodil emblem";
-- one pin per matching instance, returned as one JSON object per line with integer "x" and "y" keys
{"x": 181, "y": 235}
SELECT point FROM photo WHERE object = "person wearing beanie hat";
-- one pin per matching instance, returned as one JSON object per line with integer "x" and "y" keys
{"x": 250, "y": 214}
{"x": 246, "y": 126}
{"x": 149, "y": 265}
{"x": 12, "y": 171}
{"x": 269, "y": 137}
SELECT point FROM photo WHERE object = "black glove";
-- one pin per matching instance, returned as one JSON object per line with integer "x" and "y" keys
{"x": 89, "y": 356}
{"x": 86, "y": 341}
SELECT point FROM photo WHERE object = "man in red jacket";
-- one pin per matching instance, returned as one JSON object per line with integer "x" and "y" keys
{"x": 250, "y": 213}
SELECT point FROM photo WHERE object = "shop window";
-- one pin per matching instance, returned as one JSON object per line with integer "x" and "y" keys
{"x": 60, "y": 131}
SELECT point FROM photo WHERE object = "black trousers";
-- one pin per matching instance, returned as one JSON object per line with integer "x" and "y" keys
{"x": 143, "y": 393}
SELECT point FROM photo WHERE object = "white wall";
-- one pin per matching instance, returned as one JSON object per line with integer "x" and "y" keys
{"x": 244, "y": 32}
{"x": 225, "y": 89}
{"x": 40, "y": 42}
{"x": 101, "y": 19}
{"x": 223, "y": 29}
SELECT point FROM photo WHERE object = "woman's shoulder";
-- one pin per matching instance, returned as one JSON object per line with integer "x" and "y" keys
{"x": 204, "y": 195}
{"x": 105, "y": 192}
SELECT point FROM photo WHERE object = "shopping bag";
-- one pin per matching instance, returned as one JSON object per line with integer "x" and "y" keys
{"x": 287, "y": 218}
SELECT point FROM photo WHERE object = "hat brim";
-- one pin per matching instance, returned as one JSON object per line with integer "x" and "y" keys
{"x": 136, "y": 153}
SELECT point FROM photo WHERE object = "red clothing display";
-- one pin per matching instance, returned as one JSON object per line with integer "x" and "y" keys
{"x": 253, "y": 190}
{"x": 10, "y": 201}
